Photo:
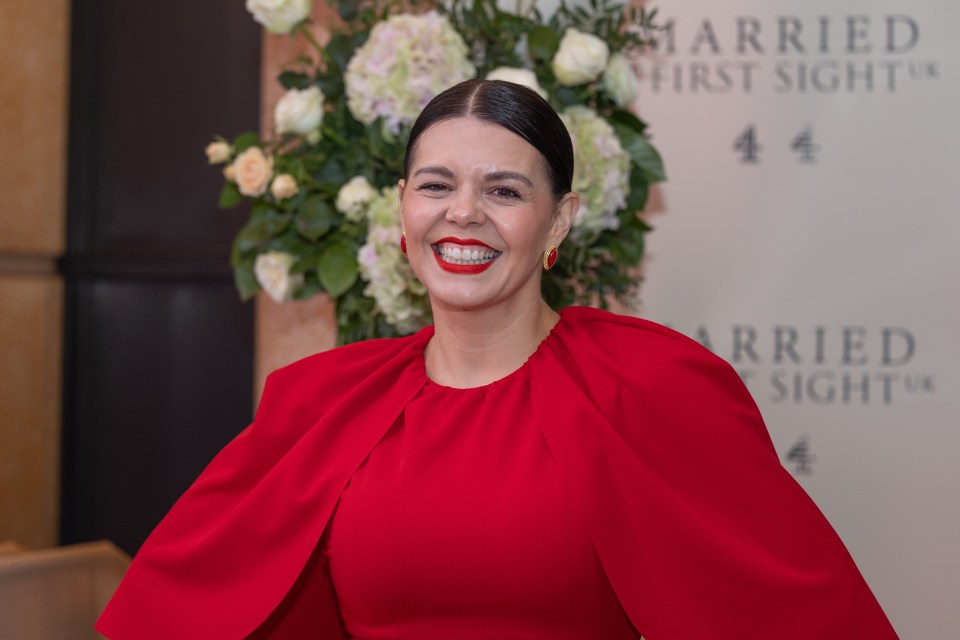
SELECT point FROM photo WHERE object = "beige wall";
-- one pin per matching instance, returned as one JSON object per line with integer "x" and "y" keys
{"x": 34, "y": 48}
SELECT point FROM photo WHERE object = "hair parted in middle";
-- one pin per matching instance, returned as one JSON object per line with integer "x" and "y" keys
{"x": 514, "y": 107}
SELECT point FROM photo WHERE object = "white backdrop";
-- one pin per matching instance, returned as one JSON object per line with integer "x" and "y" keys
{"x": 809, "y": 234}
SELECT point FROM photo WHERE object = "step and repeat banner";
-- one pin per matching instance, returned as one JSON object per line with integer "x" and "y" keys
{"x": 810, "y": 235}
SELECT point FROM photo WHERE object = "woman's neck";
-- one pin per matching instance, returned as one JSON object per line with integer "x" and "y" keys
{"x": 471, "y": 348}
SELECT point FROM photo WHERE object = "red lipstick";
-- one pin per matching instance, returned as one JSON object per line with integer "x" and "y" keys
{"x": 467, "y": 269}
{"x": 469, "y": 241}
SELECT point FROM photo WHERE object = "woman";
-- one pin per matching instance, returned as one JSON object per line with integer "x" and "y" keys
{"x": 507, "y": 473}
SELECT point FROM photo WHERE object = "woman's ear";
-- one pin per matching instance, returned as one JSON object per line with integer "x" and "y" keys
{"x": 563, "y": 219}
{"x": 401, "y": 185}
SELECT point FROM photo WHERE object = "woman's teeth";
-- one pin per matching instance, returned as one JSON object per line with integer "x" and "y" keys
{"x": 459, "y": 254}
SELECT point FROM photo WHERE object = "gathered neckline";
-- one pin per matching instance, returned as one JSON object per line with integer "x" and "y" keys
{"x": 420, "y": 362}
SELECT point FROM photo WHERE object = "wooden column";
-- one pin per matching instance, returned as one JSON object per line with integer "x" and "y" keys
{"x": 34, "y": 45}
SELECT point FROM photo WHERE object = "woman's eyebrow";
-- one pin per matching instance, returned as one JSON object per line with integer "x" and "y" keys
{"x": 509, "y": 175}
{"x": 441, "y": 171}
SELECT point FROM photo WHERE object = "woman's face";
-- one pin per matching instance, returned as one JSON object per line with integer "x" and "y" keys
{"x": 478, "y": 213}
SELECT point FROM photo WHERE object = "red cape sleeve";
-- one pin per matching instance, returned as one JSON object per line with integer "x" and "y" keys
{"x": 701, "y": 531}
{"x": 238, "y": 550}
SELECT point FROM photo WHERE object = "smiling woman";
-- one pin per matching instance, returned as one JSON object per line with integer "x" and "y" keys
{"x": 486, "y": 200}
{"x": 510, "y": 472}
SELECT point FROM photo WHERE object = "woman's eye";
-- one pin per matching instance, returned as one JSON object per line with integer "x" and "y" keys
{"x": 433, "y": 186}
{"x": 506, "y": 192}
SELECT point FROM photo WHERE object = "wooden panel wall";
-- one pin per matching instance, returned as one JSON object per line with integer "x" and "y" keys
{"x": 34, "y": 45}
{"x": 158, "y": 347}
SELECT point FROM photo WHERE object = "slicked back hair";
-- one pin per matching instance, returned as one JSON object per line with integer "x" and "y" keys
{"x": 514, "y": 107}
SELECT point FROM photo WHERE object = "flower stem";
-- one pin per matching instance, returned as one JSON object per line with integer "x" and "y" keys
{"x": 335, "y": 137}
{"x": 305, "y": 31}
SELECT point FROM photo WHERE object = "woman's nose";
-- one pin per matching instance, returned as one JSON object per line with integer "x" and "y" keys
{"x": 467, "y": 210}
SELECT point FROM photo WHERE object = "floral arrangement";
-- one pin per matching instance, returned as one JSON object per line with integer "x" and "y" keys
{"x": 324, "y": 206}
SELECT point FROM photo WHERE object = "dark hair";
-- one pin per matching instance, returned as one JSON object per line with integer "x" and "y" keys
{"x": 514, "y": 107}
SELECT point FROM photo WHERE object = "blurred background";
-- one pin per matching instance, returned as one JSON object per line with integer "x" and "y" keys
{"x": 127, "y": 357}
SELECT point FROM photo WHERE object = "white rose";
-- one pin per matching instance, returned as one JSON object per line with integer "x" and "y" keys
{"x": 582, "y": 57}
{"x": 252, "y": 171}
{"x": 526, "y": 77}
{"x": 299, "y": 111}
{"x": 284, "y": 186}
{"x": 217, "y": 152}
{"x": 353, "y": 198}
{"x": 620, "y": 80}
{"x": 279, "y": 16}
{"x": 230, "y": 173}
{"x": 272, "y": 270}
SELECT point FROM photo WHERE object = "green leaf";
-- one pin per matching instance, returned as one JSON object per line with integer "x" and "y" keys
{"x": 339, "y": 51}
{"x": 641, "y": 152}
{"x": 331, "y": 174}
{"x": 258, "y": 231}
{"x": 230, "y": 195}
{"x": 245, "y": 280}
{"x": 639, "y": 189}
{"x": 543, "y": 42}
{"x": 626, "y": 118}
{"x": 246, "y": 140}
{"x": 348, "y": 9}
{"x": 337, "y": 268}
{"x": 567, "y": 97}
{"x": 261, "y": 210}
{"x": 331, "y": 86}
{"x": 314, "y": 219}
{"x": 294, "y": 80}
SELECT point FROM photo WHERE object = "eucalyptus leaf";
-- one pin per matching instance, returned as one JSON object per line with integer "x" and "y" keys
{"x": 337, "y": 268}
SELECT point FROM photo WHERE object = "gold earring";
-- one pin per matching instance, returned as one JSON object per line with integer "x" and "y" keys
{"x": 550, "y": 257}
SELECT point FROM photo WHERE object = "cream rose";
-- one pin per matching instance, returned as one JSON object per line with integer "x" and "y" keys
{"x": 620, "y": 80}
{"x": 229, "y": 173}
{"x": 217, "y": 152}
{"x": 353, "y": 198}
{"x": 526, "y": 77}
{"x": 279, "y": 16}
{"x": 581, "y": 57}
{"x": 272, "y": 270}
{"x": 252, "y": 171}
{"x": 299, "y": 111}
{"x": 284, "y": 186}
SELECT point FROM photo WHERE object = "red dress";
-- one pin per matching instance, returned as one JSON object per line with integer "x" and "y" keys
{"x": 621, "y": 478}
{"x": 495, "y": 549}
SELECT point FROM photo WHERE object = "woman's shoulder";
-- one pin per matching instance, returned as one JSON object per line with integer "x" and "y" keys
{"x": 634, "y": 367}
{"x": 623, "y": 337}
{"x": 329, "y": 374}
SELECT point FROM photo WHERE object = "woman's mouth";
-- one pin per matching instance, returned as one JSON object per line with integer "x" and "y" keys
{"x": 464, "y": 256}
